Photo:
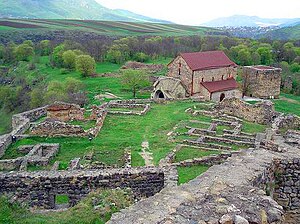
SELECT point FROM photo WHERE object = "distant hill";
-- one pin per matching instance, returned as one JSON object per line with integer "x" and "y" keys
{"x": 67, "y": 9}
{"x": 285, "y": 33}
{"x": 250, "y": 21}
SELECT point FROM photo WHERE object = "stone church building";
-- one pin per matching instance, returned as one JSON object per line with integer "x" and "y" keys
{"x": 209, "y": 74}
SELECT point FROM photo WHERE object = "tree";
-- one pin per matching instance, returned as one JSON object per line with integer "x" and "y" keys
{"x": 2, "y": 50}
{"x": 85, "y": 64}
{"x": 265, "y": 55}
{"x": 69, "y": 58}
{"x": 44, "y": 47}
{"x": 57, "y": 54}
{"x": 55, "y": 92}
{"x": 134, "y": 80}
{"x": 141, "y": 57}
{"x": 23, "y": 52}
{"x": 244, "y": 57}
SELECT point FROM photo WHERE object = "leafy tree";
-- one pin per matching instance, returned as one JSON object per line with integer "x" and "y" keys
{"x": 265, "y": 55}
{"x": 35, "y": 97}
{"x": 76, "y": 91}
{"x": 69, "y": 58}
{"x": 29, "y": 42}
{"x": 134, "y": 80}
{"x": 2, "y": 50}
{"x": 23, "y": 52}
{"x": 85, "y": 64}
{"x": 55, "y": 92}
{"x": 141, "y": 57}
{"x": 289, "y": 53}
{"x": 255, "y": 58}
{"x": 44, "y": 47}
{"x": 57, "y": 58}
{"x": 295, "y": 67}
{"x": 244, "y": 57}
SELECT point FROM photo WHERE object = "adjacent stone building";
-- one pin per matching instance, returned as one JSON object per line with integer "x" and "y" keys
{"x": 208, "y": 74}
{"x": 261, "y": 81}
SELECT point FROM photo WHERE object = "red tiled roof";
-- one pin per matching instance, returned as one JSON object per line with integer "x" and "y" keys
{"x": 218, "y": 86}
{"x": 207, "y": 60}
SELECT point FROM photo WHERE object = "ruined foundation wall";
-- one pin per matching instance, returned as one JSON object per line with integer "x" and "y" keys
{"x": 40, "y": 188}
{"x": 262, "y": 113}
{"x": 20, "y": 123}
{"x": 287, "y": 185}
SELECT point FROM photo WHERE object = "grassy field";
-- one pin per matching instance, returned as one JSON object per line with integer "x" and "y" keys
{"x": 191, "y": 153}
{"x": 103, "y": 27}
{"x": 288, "y": 103}
{"x": 186, "y": 174}
{"x": 120, "y": 132}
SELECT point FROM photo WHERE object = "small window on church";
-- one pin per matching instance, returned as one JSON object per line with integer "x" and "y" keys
{"x": 222, "y": 77}
{"x": 179, "y": 64}
{"x": 202, "y": 80}
{"x": 213, "y": 79}
{"x": 179, "y": 72}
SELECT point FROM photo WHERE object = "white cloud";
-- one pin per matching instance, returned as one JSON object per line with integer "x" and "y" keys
{"x": 195, "y": 12}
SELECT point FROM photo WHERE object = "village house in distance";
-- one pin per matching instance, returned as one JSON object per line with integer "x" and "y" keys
{"x": 209, "y": 74}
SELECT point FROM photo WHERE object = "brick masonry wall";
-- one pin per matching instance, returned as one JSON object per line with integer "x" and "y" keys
{"x": 40, "y": 188}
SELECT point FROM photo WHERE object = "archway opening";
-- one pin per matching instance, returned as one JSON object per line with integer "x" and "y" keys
{"x": 159, "y": 94}
{"x": 222, "y": 96}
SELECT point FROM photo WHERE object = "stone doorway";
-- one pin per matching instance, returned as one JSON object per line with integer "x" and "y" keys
{"x": 222, "y": 96}
{"x": 159, "y": 95}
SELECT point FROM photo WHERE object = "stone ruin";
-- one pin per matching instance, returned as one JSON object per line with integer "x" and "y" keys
{"x": 261, "y": 112}
{"x": 39, "y": 155}
{"x": 258, "y": 185}
{"x": 65, "y": 112}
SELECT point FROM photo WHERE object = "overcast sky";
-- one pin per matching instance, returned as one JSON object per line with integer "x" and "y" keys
{"x": 195, "y": 12}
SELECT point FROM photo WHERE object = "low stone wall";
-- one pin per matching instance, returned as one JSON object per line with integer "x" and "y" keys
{"x": 20, "y": 123}
{"x": 40, "y": 155}
{"x": 40, "y": 188}
{"x": 55, "y": 128}
{"x": 262, "y": 112}
{"x": 207, "y": 160}
{"x": 144, "y": 108}
{"x": 100, "y": 118}
{"x": 10, "y": 164}
{"x": 32, "y": 115}
{"x": 5, "y": 141}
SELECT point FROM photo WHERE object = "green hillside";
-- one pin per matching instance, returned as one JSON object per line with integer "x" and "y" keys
{"x": 286, "y": 33}
{"x": 65, "y": 9}
{"x": 101, "y": 27}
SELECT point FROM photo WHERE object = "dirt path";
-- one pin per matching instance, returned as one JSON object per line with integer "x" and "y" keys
{"x": 147, "y": 156}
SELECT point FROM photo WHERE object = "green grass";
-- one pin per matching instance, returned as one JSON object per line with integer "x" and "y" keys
{"x": 186, "y": 174}
{"x": 253, "y": 127}
{"x": 288, "y": 103}
{"x": 191, "y": 153}
{"x": 85, "y": 124}
{"x": 220, "y": 129}
{"x": 61, "y": 199}
{"x": 120, "y": 132}
{"x": 107, "y": 201}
